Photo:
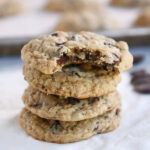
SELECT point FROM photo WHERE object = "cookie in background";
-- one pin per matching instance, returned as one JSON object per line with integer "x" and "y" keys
{"x": 10, "y": 7}
{"x": 131, "y": 3}
{"x": 87, "y": 20}
{"x": 144, "y": 18}
{"x": 65, "y": 5}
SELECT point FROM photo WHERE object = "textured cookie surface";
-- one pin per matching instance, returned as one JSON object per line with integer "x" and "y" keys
{"x": 73, "y": 83}
{"x": 144, "y": 18}
{"x": 69, "y": 5}
{"x": 51, "y": 53}
{"x": 10, "y": 7}
{"x": 86, "y": 20}
{"x": 131, "y": 2}
{"x": 68, "y": 109}
{"x": 65, "y": 132}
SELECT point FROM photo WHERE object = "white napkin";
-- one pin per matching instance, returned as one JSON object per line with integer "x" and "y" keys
{"x": 133, "y": 133}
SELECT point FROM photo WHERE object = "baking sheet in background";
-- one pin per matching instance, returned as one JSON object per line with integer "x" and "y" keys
{"x": 17, "y": 30}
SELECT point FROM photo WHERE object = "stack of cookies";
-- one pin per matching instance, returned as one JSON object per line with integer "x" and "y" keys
{"x": 72, "y": 85}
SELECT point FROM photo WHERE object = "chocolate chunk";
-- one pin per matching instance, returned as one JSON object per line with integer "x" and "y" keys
{"x": 73, "y": 38}
{"x": 105, "y": 117}
{"x": 75, "y": 73}
{"x": 89, "y": 56}
{"x": 139, "y": 73}
{"x": 105, "y": 67}
{"x": 141, "y": 81}
{"x": 143, "y": 88}
{"x": 76, "y": 58}
{"x": 93, "y": 100}
{"x": 95, "y": 67}
{"x": 117, "y": 111}
{"x": 109, "y": 44}
{"x": 116, "y": 56}
{"x": 37, "y": 106}
{"x": 29, "y": 112}
{"x": 72, "y": 101}
{"x": 138, "y": 59}
{"x": 63, "y": 59}
{"x": 58, "y": 44}
{"x": 54, "y": 34}
{"x": 97, "y": 126}
{"x": 43, "y": 86}
{"x": 56, "y": 126}
{"x": 116, "y": 61}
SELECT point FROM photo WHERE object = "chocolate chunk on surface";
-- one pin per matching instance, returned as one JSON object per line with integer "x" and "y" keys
{"x": 138, "y": 59}
{"x": 141, "y": 81}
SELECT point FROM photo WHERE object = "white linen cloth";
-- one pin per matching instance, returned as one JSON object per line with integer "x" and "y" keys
{"x": 133, "y": 133}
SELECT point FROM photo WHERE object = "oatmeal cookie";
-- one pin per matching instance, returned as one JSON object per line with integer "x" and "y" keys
{"x": 68, "y": 109}
{"x": 65, "y": 132}
{"x": 10, "y": 7}
{"x": 72, "y": 82}
{"x": 49, "y": 54}
{"x": 144, "y": 18}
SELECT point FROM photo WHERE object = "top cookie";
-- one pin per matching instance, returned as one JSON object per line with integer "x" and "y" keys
{"x": 51, "y": 53}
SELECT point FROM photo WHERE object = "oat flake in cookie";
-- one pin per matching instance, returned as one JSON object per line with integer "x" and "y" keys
{"x": 65, "y": 132}
{"x": 49, "y": 54}
{"x": 68, "y": 109}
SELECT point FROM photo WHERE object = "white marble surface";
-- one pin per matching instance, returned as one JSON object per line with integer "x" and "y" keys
{"x": 133, "y": 133}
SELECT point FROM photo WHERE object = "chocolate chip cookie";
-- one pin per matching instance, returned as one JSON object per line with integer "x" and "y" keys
{"x": 131, "y": 2}
{"x": 69, "y": 5}
{"x": 72, "y": 82}
{"x": 10, "y": 7}
{"x": 65, "y": 132}
{"x": 78, "y": 21}
{"x": 144, "y": 18}
{"x": 68, "y": 109}
{"x": 49, "y": 54}
{"x": 86, "y": 20}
